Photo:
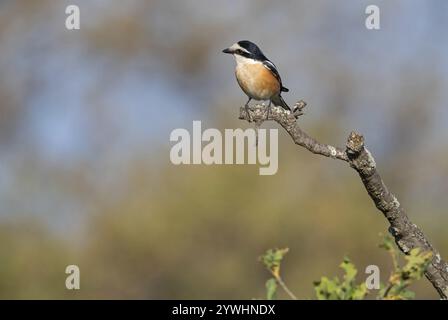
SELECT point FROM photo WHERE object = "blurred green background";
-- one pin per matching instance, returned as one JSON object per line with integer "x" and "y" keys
{"x": 85, "y": 119}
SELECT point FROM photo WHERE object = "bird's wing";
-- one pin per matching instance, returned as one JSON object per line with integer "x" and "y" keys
{"x": 271, "y": 67}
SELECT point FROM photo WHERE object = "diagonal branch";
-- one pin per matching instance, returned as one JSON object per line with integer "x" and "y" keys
{"x": 406, "y": 234}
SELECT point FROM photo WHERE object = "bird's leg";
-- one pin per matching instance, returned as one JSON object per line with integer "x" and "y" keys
{"x": 269, "y": 110}
{"x": 246, "y": 107}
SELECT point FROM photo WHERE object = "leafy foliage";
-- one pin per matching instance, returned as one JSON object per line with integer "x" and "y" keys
{"x": 346, "y": 288}
{"x": 401, "y": 277}
{"x": 272, "y": 260}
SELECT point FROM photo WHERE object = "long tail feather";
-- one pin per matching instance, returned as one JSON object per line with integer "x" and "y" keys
{"x": 278, "y": 101}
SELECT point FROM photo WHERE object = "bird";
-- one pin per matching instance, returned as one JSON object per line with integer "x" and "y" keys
{"x": 257, "y": 75}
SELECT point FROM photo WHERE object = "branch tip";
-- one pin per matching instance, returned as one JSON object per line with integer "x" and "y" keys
{"x": 297, "y": 110}
{"x": 355, "y": 143}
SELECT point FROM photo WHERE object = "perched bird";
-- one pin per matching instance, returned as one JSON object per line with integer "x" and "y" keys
{"x": 257, "y": 75}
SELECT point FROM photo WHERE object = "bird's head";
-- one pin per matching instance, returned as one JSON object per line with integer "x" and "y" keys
{"x": 246, "y": 49}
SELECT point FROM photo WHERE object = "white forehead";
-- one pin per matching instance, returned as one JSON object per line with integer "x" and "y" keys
{"x": 236, "y": 46}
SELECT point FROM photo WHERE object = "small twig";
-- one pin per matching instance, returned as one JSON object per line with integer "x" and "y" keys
{"x": 386, "y": 292}
{"x": 284, "y": 286}
{"x": 394, "y": 257}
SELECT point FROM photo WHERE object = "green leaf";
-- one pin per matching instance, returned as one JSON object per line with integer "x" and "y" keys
{"x": 349, "y": 269}
{"x": 359, "y": 292}
{"x": 334, "y": 289}
{"x": 273, "y": 258}
{"x": 416, "y": 265}
{"x": 271, "y": 289}
{"x": 407, "y": 294}
{"x": 327, "y": 289}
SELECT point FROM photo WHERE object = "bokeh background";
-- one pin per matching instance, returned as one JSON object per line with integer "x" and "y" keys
{"x": 85, "y": 119}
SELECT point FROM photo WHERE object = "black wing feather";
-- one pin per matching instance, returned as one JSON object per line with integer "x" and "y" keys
{"x": 271, "y": 67}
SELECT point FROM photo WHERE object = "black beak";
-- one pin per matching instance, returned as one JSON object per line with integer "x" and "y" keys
{"x": 227, "y": 50}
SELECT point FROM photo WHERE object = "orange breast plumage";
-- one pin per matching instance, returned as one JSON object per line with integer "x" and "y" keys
{"x": 257, "y": 81}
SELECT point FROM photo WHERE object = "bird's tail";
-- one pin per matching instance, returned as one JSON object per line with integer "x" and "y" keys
{"x": 278, "y": 101}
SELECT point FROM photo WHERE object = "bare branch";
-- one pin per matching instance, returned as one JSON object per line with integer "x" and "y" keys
{"x": 406, "y": 234}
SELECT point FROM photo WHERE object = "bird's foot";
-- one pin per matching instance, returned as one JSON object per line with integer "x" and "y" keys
{"x": 268, "y": 111}
{"x": 248, "y": 115}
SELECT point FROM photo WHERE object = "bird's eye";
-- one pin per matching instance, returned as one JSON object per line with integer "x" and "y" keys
{"x": 239, "y": 51}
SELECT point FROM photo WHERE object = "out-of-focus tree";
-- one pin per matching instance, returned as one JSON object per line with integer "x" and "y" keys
{"x": 84, "y": 171}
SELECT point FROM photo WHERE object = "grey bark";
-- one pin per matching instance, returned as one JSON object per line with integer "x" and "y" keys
{"x": 406, "y": 234}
